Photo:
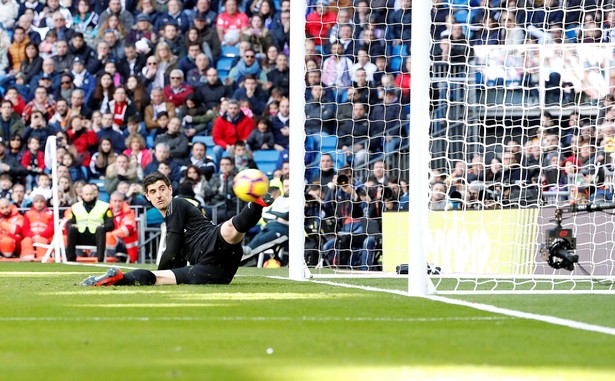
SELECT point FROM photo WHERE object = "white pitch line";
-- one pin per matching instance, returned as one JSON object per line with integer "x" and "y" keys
{"x": 256, "y": 318}
{"x": 489, "y": 308}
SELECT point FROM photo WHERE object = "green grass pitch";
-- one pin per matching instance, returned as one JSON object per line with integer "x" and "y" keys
{"x": 263, "y": 328}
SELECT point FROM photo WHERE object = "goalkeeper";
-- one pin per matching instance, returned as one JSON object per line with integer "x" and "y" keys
{"x": 214, "y": 251}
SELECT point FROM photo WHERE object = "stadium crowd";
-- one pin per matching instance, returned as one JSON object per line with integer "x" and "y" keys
{"x": 193, "y": 88}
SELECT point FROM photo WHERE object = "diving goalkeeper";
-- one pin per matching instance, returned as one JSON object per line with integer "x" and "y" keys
{"x": 214, "y": 251}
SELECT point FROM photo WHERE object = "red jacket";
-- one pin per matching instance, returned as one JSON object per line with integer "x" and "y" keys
{"x": 319, "y": 27}
{"x": 27, "y": 157}
{"x": 226, "y": 133}
{"x": 179, "y": 98}
{"x": 83, "y": 140}
{"x": 38, "y": 223}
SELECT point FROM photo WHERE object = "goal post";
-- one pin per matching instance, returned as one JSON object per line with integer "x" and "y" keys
{"x": 512, "y": 122}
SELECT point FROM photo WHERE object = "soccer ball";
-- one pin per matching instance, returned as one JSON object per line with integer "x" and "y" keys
{"x": 250, "y": 185}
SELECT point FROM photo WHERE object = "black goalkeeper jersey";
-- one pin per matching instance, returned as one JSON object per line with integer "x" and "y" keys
{"x": 190, "y": 235}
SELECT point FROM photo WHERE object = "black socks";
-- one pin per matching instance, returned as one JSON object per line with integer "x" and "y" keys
{"x": 248, "y": 217}
{"x": 138, "y": 278}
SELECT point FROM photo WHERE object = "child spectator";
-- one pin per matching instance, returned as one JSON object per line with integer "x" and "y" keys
{"x": 37, "y": 228}
{"x": 43, "y": 185}
{"x": 261, "y": 137}
{"x": 162, "y": 120}
{"x": 73, "y": 166}
{"x": 246, "y": 108}
{"x": 34, "y": 162}
{"x": 47, "y": 47}
{"x": 66, "y": 195}
{"x": 11, "y": 225}
{"x": 243, "y": 157}
{"x": 5, "y": 185}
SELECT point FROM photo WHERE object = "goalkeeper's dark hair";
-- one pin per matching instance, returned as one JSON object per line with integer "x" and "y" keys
{"x": 152, "y": 178}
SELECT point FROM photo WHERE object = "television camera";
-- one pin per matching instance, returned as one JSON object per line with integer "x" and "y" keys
{"x": 559, "y": 249}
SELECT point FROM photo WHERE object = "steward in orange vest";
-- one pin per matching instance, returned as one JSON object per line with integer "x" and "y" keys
{"x": 37, "y": 228}
{"x": 125, "y": 227}
{"x": 11, "y": 225}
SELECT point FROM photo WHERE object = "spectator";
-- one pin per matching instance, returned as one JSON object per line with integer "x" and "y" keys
{"x": 281, "y": 32}
{"x": 41, "y": 102}
{"x": 247, "y": 66}
{"x": 204, "y": 164}
{"x": 122, "y": 108}
{"x": 143, "y": 34}
{"x": 33, "y": 160}
{"x": 403, "y": 81}
{"x": 70, "y": 162}
{"x": 11, "y": 225}
{"x": 336, "y": 69}
{"x": 13, "y": 96}
{"x": 8, "y": 13}
{"x": 207, "y": 35}
{"x": 386, "y": 121}
{"x": 82, "y": 139}
{"x": 78, "y": 107}
{"x": 136, "y": 148}
{"x": 195, "y": 119}
{"x": 85, "y": 20}
{"x": 62, "y": 21}
{"x": 280, "y": 126}
{"x": 121, "y": 170}
{"x": 172, "y": 38}
{"x": 59, "y": 121}
{"x": 193, "y": 37}
{"x": 162, "y": 154}
{"x": 362, "y": 91}
{"x": 198, "y": 75}
{"x": 176, "y": 16}
{"x": 353, "y": 134}
{"x": 137, "y": 95}
{"x": 229, "y": 127}
{"x": 213, "y": 91}
{"x": 97, "y": 62}
{"x": 110, "y": 130}
{"x": 267, "y": 60}
{"x": 257, "y": 35}
{"x": 177, "y": 91}
{"x": 149, "y": 8}
{"x": 251, "y": 92}
{"x": 188, "y": 62}
{"x": 319, "y": 112}
{"x": 280, "y": 75}
{"x": 115, "y": 8}
{"x": 15, "y": 148}
{"x": 177, "y": 141}
{"x": 102, "y": 94}
{"x": 231, "y": 23}
{"x": 33, "y": 63}
{"x": 319, "y": 22}
{"x": 78, "y": 48}
{"x": 37, "y": 128}
{"x": 488, "y": 32}
{"x": 25, "y": 22}
{"x": 438, "y": 199}
{"x": 10, "y": 122}
{"x": 510, "y": 32}
{"x": 261, "y": 137}
{"x": 242, "y": 157}
{"x": 17, "y": 50}
{"x": 223, "y": 203}
{"x": 103, "y": 158}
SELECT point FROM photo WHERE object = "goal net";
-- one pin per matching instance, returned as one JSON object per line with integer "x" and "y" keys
{"x": 500, "y": 178}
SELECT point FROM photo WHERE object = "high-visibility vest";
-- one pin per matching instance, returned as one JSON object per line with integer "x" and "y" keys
{"x": 91, "y": 220}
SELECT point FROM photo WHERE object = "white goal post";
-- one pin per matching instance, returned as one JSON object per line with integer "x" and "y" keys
{"x": 502, "y": 137}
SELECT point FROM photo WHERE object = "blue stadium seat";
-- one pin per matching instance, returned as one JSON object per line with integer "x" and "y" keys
{"x": 328, "y": 143}
{"x": 266, "y": 160}
{"x": 229, "y": 51}
{"x": 225, "y": 64}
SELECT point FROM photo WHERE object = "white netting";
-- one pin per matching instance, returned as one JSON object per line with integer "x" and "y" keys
{"x": 521, "y": 122}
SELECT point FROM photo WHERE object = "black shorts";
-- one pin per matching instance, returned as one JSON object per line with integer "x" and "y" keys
{"x": 219, "y": 261}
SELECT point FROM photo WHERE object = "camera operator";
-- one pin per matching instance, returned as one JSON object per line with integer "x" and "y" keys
{"x": 350, "y": 231}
